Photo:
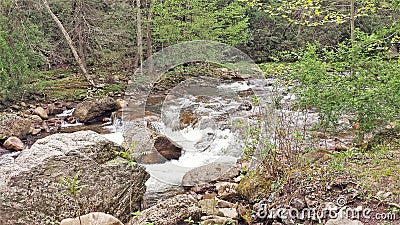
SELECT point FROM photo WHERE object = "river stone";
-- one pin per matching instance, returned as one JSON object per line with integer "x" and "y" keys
{"x": 14, "y": 143}
{"x": 94, "y": 110}
{"x": 164, "y": 149}
{"x": 170, "y": 211}
{"x": 210, "y": 173}
{"x": 13, "y": 125}
{"x": 40, "y": 112}
{"x": 343, "y": 222}
{"x": 96, "y": 218}
{"x": 30, "y": 188}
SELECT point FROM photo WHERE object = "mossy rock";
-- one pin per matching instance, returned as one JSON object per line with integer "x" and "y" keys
{"x": 256, "y": 186}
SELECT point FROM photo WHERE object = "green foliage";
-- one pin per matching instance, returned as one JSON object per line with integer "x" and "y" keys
{"x": 356, "y": 80}
{"x": 189, "y": 220}
{"x": 16, "y": 60}
{"x": 178, "y": 20}
{"x": 72, "y": 185}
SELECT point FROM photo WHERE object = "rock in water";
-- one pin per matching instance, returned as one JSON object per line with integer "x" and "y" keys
{"x": 31, "y": 191}
{"x": 170, "y": 211}
{"x": 41, "y": 112}
{"x": 14, "y": 143}
{"x": 94, "y": 110}
{"x": 164, "y": 150}
{"x": 13, "y": 125}
{"x": 209, "y": 173}
{"x": 96, "y": 218}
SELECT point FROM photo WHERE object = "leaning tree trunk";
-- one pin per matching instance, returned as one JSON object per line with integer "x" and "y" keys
{"x": 70, "y": 43}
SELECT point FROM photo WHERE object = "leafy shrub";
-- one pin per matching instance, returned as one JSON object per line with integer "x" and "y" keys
{"x": 355, "y": 79}
{"x": 17, "y": 59}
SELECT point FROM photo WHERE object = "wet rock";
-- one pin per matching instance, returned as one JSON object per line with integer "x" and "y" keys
{"x": 14, "y": 143}
{"x": 71, "y": 120}
{"x": 94, "y": 110}
{"x": 34, "y": 179}
{"x": 13, "y": 125}
{"x": 96, "y": 218}
{"x": 209, "y": 173}
{"x": 170, "y": 211}
{"x": 41, "y": 112}
{"x": 167, "y": 148}
{"x": 164, "y": 149}
{"x": 343, "y": 222}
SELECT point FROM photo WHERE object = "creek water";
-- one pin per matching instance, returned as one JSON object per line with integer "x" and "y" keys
{"x": 207, "y": 119}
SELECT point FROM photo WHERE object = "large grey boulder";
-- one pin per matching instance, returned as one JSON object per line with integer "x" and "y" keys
{"x": 13, "y": 125}
{"x": 209, "y": 173}
{"x": 31, "y": 191}
{"x": 170, "y": 211}
{"x": 93, "y": 110}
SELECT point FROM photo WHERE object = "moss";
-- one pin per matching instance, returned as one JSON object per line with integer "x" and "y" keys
{"x": 256, "y": 186}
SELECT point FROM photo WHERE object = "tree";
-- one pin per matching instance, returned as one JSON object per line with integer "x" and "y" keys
{"x": 182, "y": 20}
{"x": 70, "y": 43}
{"x": 139, "y": 36}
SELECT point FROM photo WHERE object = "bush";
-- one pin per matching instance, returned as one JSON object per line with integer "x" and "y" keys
{"x": 355, "y": 79}
{"x": 16, "y": 60}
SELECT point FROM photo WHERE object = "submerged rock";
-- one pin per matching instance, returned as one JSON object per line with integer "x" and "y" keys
{"x": 93, "y": 110}
{"x": 31, "y": 191}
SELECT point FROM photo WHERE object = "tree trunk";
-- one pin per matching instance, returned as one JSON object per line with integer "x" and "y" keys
{"x": 139, "y": 35}
{"x": 352, "y": 19}
{"x": 70, "y": 43}
{"x": 149, "y": 41}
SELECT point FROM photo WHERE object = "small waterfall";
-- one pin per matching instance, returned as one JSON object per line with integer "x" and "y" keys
{"x": 116, "y": 127}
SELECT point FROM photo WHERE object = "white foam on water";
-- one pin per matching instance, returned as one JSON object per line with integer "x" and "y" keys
{"x": 66, "y": 113}
{"x": 235, "y": 86}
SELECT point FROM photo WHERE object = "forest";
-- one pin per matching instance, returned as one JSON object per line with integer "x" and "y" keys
{"x": 318, "y": 129}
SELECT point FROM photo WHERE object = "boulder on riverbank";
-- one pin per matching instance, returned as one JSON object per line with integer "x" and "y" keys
{"x": 31, "y": 191}
{"x": 94, "y": 110}
{"x": 170, "y": 211}
{"x": 210, "y": 173}
{"x": 13, "y": 125}
{"x": 14, "y": 143}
